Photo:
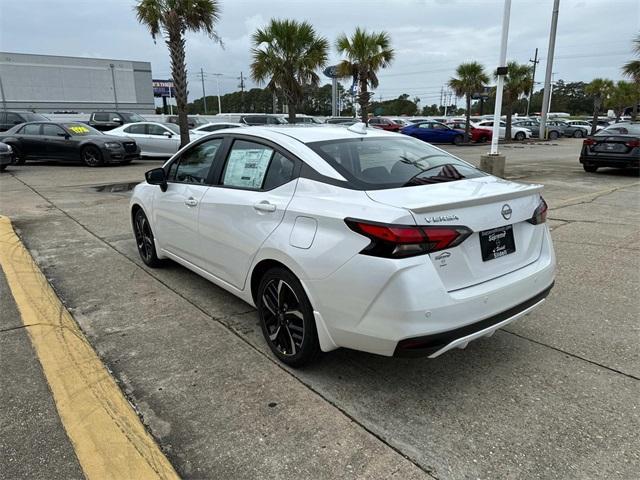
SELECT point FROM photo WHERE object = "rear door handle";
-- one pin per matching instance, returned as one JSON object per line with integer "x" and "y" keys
{"x": 191, "y": 202}
{"x": 264, "y": 207}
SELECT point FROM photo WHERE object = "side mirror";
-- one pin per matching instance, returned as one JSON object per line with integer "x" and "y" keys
{"x": 117, "y": 120}
{"x": 157, "y": 176}
{"x": 65, "y": 135}
{"x": 167, "y": 134}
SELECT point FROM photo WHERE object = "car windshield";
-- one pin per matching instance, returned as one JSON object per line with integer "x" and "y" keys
{"x": 132, "y": 117}
{"x": 621, "y": 129}
{"x": 376, "y": 163}
{"x": 80, "y": 129}
{"x": 34, "y": 117}
{"x": 173, "y": 127}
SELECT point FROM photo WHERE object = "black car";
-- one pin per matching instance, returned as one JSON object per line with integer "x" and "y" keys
{"x": 104, "y": 120}
{"x": 11, "y": 118}
{"x": 6, "y": 156}
{"x": 71, "y": 141}
{"x": 616, "y": 146}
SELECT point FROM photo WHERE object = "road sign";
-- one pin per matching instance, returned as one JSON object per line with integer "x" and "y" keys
{"x": 331, "y": 71}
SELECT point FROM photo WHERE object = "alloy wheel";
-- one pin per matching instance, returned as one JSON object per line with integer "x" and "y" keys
{"x": 91, "y": 157}
{"x": 283, "y": 317}
{"x": 144, "y": 237}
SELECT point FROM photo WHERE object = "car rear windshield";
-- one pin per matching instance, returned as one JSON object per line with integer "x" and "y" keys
{"x": 392, "y": 162}
{"x": 173, "y": 127}
{"x": 80, "y": 129}
{"x": 131, "y": 117}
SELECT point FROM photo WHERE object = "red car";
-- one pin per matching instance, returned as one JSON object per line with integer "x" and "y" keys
{"x": 385, "y": 124}
{"x": 478, "y": 135}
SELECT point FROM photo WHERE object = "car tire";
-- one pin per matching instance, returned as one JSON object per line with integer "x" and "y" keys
{"x": 589, "y": 168}
{"x": 3, "y": 167}
{"x": 91, "y": 156}
{"x": 17, "y": 155}
{"x": 458, "y": 140}
{"x": 578, "y": 134}
{"x": 286, "y": 318}
{"x": 145, "y": 241}
{"x": 553, "y": 135}
{"x": 483, "y": 139}
{"x": 520, "y": 136}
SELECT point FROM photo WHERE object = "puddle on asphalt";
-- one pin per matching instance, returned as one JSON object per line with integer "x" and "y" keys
{"x": 115, "y": 187}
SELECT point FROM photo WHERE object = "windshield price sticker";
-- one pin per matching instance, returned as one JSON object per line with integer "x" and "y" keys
{"x": 79, "y": 129}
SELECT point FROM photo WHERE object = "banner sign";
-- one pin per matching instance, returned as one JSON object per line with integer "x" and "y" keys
{"x": 163, "y": 88}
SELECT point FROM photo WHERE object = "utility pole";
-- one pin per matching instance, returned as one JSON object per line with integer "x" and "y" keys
{"x": 241, "y": 85}
{"x": 441, "y": 94}
{"x": 204, "y": 95}
{"x": 502, "y": 67}
{"x": 547, "y": 77}
{"x": 535, "y": 62}
{"x": 218, "y": 75}
{"x": 113, "y": 80}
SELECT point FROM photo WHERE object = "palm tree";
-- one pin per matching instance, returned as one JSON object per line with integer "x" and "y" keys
{"x": 470, "y": 80}
{"x": 517, "y": 82}
{"x": 621, "y": 96}
{"x": 366, "y": 54}
{"x": 632, "y": 70}
{"x": 600, "y": 89}
{"x": 172, "y": 19}
{"x": 287, "y": 53}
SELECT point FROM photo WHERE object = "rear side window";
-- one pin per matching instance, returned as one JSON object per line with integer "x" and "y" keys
{"x": 385, "y": 162}
{"x": 256, "y": 167}
{"x": 194, "y": 164}
{"x": 14, "y": 119}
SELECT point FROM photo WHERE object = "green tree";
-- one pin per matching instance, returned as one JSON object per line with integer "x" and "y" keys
{"x": 286, "y": 55}
{"x": 621, "y": 96}
{"x": 366, "y": 54}
{"x": 517, "y": 82}
{"x": 173, "y": 19}
{"x": 599, "y": 89}
{"x": 470, "y": 78}
{"x": 631, "y": 69}
{"x": 398, "y": 106}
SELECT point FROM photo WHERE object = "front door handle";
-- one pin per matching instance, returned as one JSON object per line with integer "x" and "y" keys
{"x": 264, "y": 207}
{"x": 191, "y": 202}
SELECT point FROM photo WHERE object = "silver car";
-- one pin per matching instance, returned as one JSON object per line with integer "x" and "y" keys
{"x": 154, "y": 138}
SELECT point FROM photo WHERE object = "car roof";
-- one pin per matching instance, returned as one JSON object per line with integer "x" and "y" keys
{"x": 310, "y": 134}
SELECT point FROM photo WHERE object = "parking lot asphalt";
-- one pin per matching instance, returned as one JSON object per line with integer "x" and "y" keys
{"x": 555, "y": 395}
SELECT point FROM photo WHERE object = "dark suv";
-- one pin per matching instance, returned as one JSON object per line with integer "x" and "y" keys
{"x": 10, "y": 118}
{"x": 110, "y": 120}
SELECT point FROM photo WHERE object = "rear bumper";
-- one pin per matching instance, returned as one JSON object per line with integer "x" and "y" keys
{"x": 616, "y": 161}
{"x": 376, "y": 306}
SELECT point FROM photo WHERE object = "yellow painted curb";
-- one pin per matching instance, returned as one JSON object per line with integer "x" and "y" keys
{"x": 107, "y": 435}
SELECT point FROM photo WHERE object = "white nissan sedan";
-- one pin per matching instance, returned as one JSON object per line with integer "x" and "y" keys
{"x": 349, "y": 237}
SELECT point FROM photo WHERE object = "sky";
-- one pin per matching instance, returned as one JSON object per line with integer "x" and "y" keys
{"x": 430, "y": 37}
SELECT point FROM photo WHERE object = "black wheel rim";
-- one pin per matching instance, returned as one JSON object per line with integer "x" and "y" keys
{"x": 282, "y": 316}
{"x": 144, "y": 237}
{"x": 91, "y": 157}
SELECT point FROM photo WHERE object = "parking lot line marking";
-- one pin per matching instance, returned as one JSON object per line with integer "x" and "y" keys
{"x": 569, "y": 201}
{"x": 107, "y": 435}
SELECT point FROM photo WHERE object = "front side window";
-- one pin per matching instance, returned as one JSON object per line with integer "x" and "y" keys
{"x": 31, "y": 129}
{"x": 136, "y": 129}
{"x": 14, "y": 119}
{"x": 376, "y": 163}
{"x": 52, "y": 130}
{"x": 194, "y": 164}
{"x": 157, "y": 130}
{"x": 101, "y": 117}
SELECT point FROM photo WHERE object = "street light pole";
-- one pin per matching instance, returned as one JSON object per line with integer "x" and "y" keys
{"x": 217, "y": 75}
{"x": 501, "y": 73}
{"x": 113, "y": 80}
{"x": 547, "y": 78}
{"x": 204, "y": 95}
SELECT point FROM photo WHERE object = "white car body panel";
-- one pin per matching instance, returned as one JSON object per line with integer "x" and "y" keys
{"x": 151, "y": 145}
{"x": 360, "y": 301}
{"x": 488, "y": 124}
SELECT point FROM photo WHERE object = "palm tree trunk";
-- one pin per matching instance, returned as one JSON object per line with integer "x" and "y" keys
{"x": 176, "y": 44}
{"x": 291, "y": 107}
{"x": 467, "y": 125}
{"x": 594, "y": 121}
{"x": 509, "y": 113}
{"x": 363, "y": 100}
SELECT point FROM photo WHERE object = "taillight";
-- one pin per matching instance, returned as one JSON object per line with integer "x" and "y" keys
{"x": 540, "y": 213}
{"x": 633, "y": 143}
{"x": 589, "y": 141}
{"x": 401, "y": 241}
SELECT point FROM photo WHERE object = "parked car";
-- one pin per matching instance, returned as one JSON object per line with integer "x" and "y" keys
{"x": 403, "y": 122}
{"x": 616, "y": 146}
{"x": 307, "y": 120}
{"x": 254, "y": 118}
{"x": 433, "y": 132}
{"x": 569, "y": 130}
{"x": 585, "y": 124}
{"x": 478, "y": 135}
{"x": 6, "y": 156}
{"x": 341, "y": 120}
{"x": 108, "y": 120}
{"x": 553, "y": 131}
{"x": 411, "y": 229}
{"x": 384, "y": 124}
{"x": 517, "y": 133}
{"x": 11, "y": 118}
{"x": 193, "y": 121}
{"x": 76, "y": 142}
{"x": 207, "y": 128}
{"x": 155, "y": 139}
